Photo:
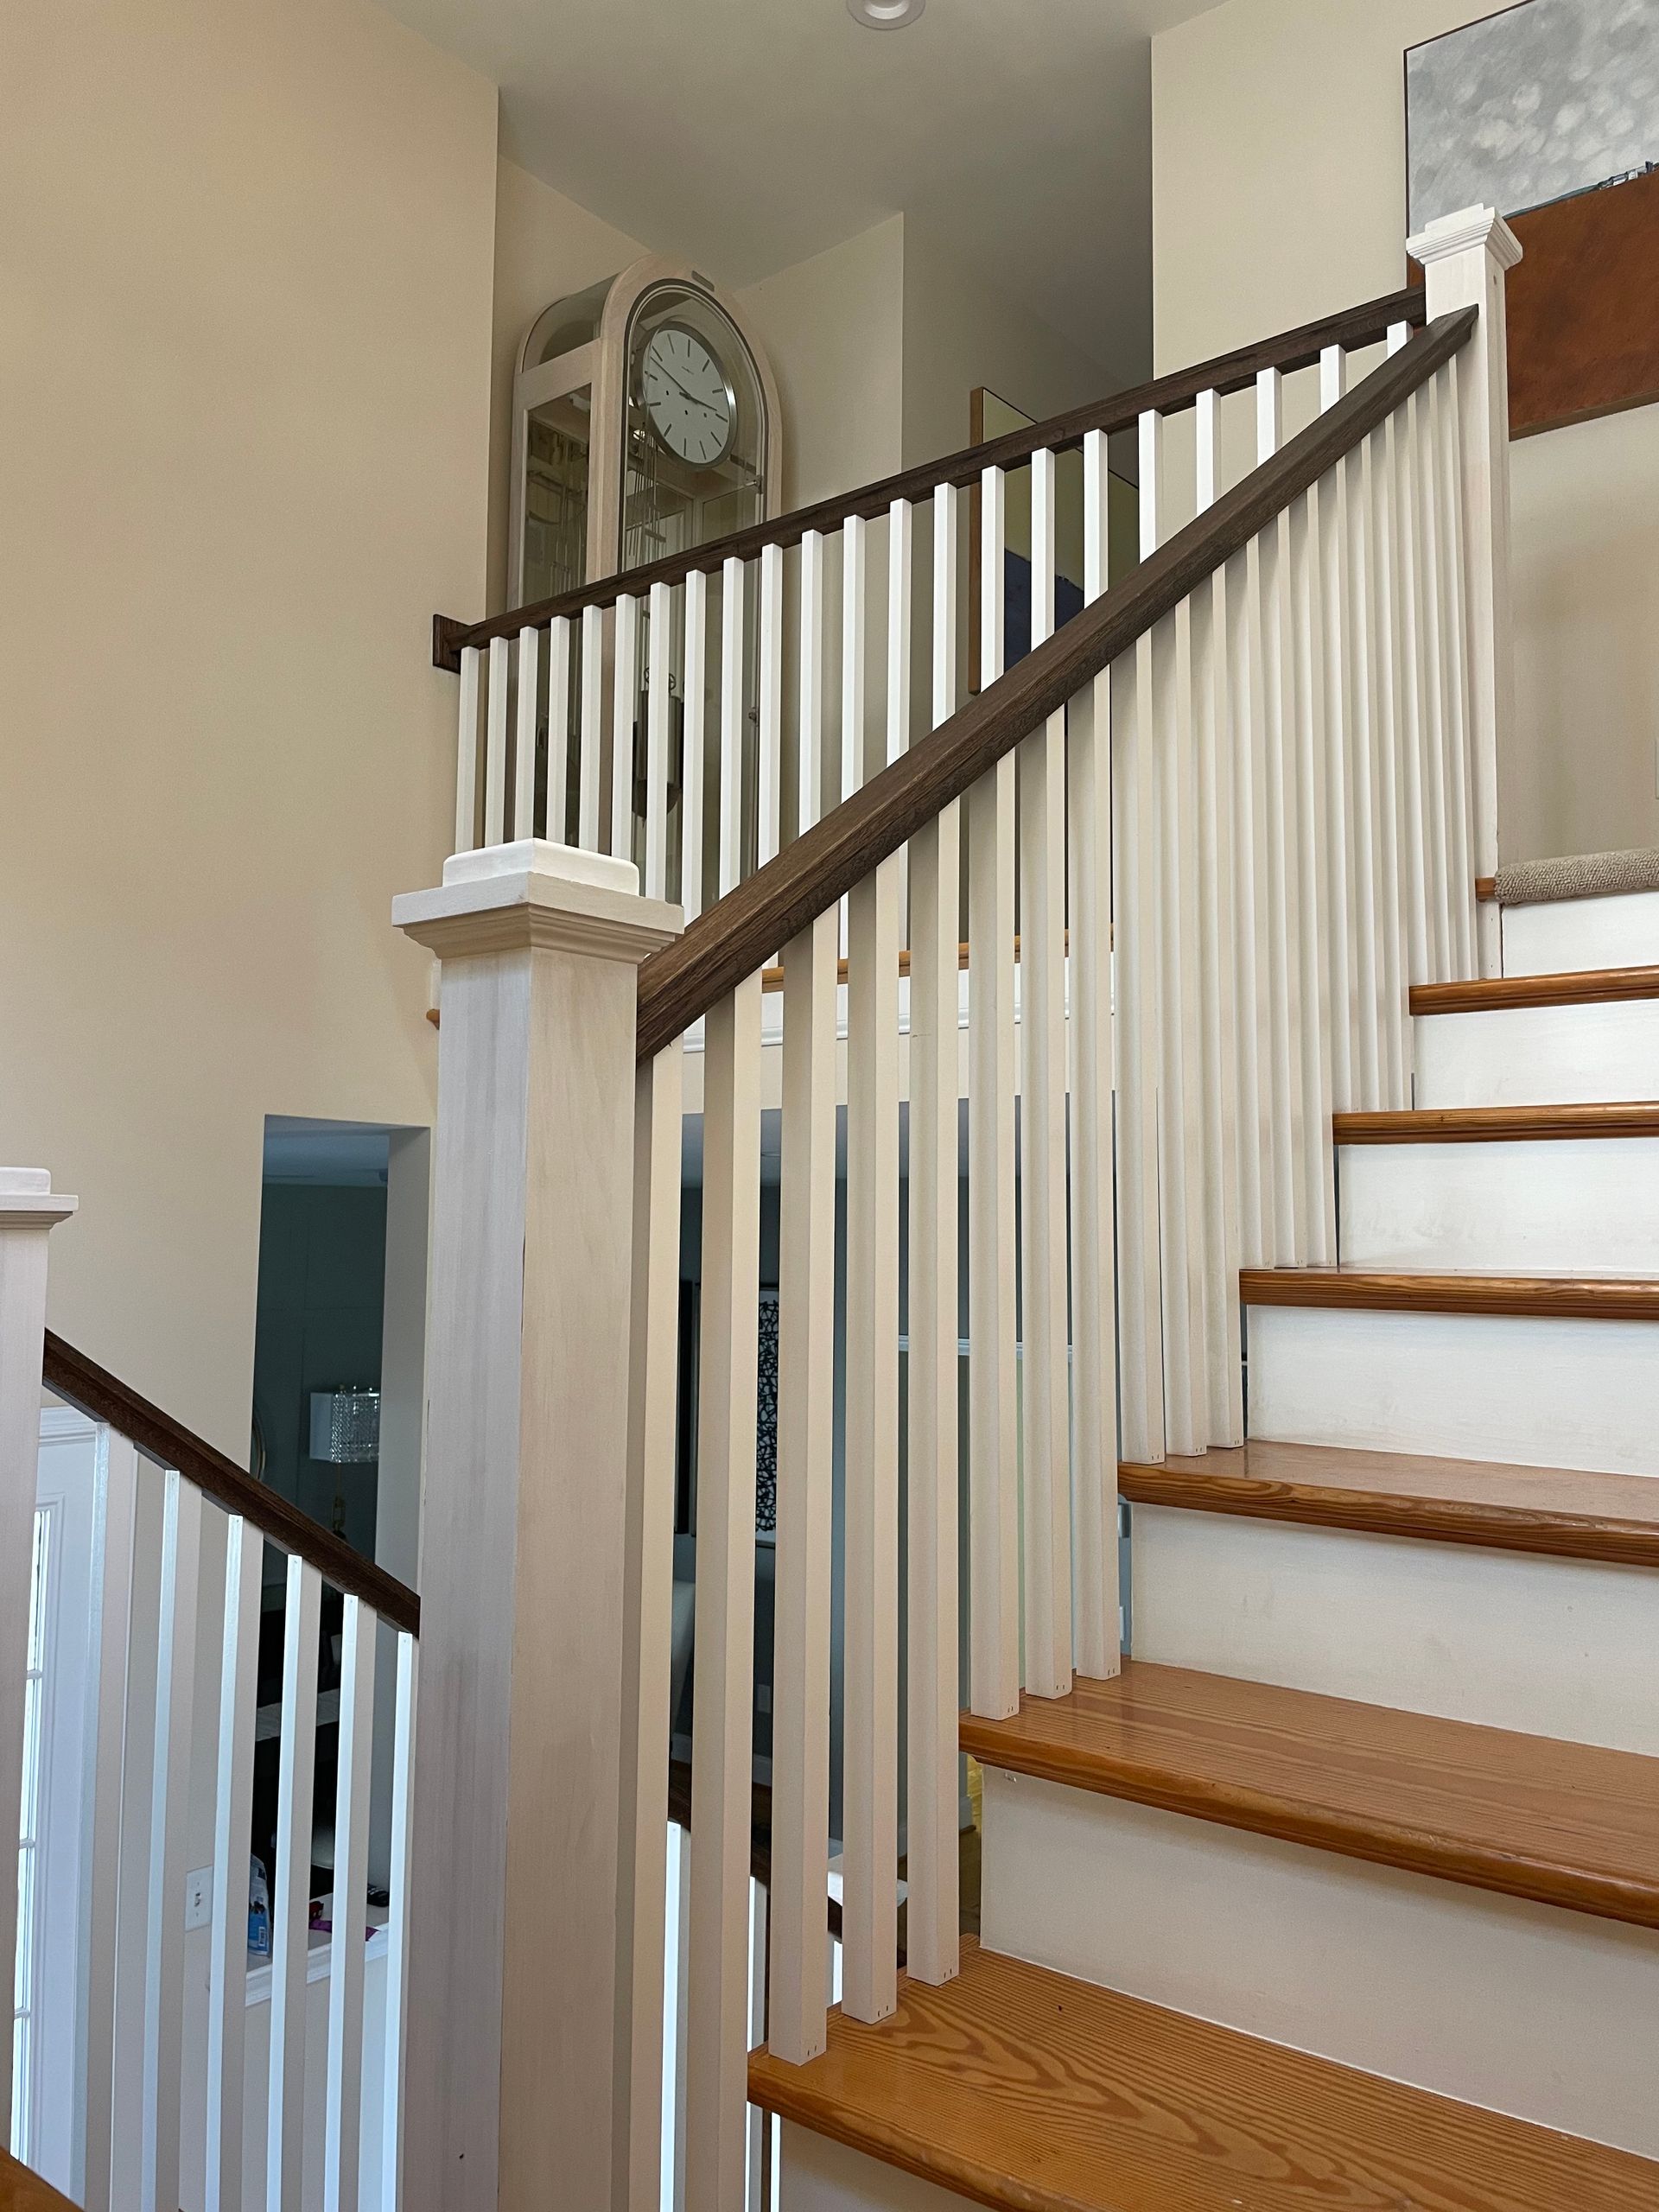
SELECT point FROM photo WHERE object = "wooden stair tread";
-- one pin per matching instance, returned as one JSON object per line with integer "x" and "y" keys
{"x": 1025, "y": 2090}
{"x": 1558, "y": 1510}
{"x": 1497, "y": 1124}
{"x": 1574, "y": 986}
{"x": 1596, "y": 1298}
{"x": 1567, "y": 1824}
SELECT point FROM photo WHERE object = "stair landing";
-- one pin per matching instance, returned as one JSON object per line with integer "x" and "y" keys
{"x": 1025, "y": 2090}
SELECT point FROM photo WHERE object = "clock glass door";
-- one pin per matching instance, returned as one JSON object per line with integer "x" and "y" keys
{"x": 694, "y": 428}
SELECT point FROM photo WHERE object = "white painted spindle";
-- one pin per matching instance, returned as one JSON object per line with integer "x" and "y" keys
{"x": 1094, "y": 1304}
{"x": 467, "y": 753}
{"x": 591, "y": 726}
{"x": 343, "y": 2103}
{"x": 1045, "y": 1398}
{"x": 110, "y": 1620}
{"x": 994, "y": 1508}
{"x": 227, "y": 1979}
{"x": 648, "y": 1603}
{"x": 721, "y": 1758}
{"x": 1310, "y": 881}
{"x": 932, "y": 1690}
{"x": 291, "y": 1891}
{"x": 769, "y": 764}
{"x": 658, "y": 702}
{"x": 495, "y": 743}
{"x": 694, "y": 774}
{"x": 731, "y": 725}
{"x": 558, "y": 731}
{"x": 169, "y": 1811}
{"x": 396, "y": 2014}
{"x": 523, "y": 742}
{"x": 625, "y": 714}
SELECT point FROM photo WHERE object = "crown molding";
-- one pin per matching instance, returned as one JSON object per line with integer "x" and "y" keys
{"x": 1456, "y": 234}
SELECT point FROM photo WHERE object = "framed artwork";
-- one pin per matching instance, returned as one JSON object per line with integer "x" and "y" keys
{"x": 1549, "y": 113}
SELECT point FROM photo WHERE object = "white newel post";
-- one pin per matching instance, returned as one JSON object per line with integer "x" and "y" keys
{"x": 28, "y": 1207}
{"x": 514, "y": 1996}
{"x": 1463, "y": 258}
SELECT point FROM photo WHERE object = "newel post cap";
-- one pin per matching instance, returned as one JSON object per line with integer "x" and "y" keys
{"x": 29, "y": 1201}
{"x": 533, "y": 894}
{"x": 1456, "y": 234}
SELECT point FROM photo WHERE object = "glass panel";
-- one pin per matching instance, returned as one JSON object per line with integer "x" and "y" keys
{"x": 556, "y": 496}
{"x": 673, "y": 499}
{"x": 566, "y": 325}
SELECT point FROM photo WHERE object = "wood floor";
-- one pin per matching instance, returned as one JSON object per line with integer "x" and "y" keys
{"x": 1029, "y": 2092}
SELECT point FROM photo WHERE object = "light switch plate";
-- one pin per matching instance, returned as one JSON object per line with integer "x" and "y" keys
{"x": 197, "y": 1898}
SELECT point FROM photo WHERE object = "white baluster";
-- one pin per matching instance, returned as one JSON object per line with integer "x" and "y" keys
{"x": 854, "y": 580}
{"x": 392, "y": 2089}
{"x": 111, "y": 1613}
{"x": 993, "y": 1515}
{"x": 1252, "y": 1153}
{"x": 810, "y": 779}
{"x": 870, "y": 1785}
{"x": 524, "y": 741}
{"x": 1433, "y": 590}
{"x": 1040, "y": 778}
{"x": 933, "y": 1911}
{"x": 1412, "y": 712}
{"x": 1311, "y": 734}
{"x": 593, "y": 725}
{"x": 648, "y": 1604}
{"x": 625, "y": 709}
{"x": 1448, "y": 525}
{"x": 800, "y": 1740}
{"x": 1273, "y": 679}
{"x": 658, "y": 699}
{"x": 343, "y": 2110}
{"x": 467, "y": 753}
{"x": 769, "y": 764}
{"x": 1338, "y": 829}
{"x": 170, "y": 1810}
{"x": 495, "y": 743}
{"x": 694, "y": 776}
{"x": 731, "y": 727}
{"x": 227, "y": 1984}
{"x": 291, "y": 1897}
{"x": 1393, "y": 962}
{"x": 558, "y": 730}
{"x": 900, "y": 535}
{"x": 1218, "y": 1031}
{"x": 1166, "y": 666}
{"x": 1135, "y": 889}
{"x": 721, "y": 1756}
{"x": 1094, "y": 1315}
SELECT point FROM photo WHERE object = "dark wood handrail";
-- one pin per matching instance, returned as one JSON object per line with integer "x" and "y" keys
{"x": 734, "y": 938}
{"x": 1120, "y": 410}
{"x": 82, "y": 1382}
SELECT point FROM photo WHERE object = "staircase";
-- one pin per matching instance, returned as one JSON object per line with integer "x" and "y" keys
{"x": 1209, "y": 1204}
{"x": 1347, "y": 1887}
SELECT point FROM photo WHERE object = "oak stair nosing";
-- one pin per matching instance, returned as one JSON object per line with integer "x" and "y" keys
{"x": 1497, "y": 1124}
{"x": 1588, "y": 1298}
{"x": 1489, "y": 1524}
{"x": 1175, "y": 1768}
{"x": 1572, "y": 987}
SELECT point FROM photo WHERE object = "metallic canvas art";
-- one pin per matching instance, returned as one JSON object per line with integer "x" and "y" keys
{"x": 1548, "y": 99}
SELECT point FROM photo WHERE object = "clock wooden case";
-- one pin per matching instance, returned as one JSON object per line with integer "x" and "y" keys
{"x": 646, "y": 421}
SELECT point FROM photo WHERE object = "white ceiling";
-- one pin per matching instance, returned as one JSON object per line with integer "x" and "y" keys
{"x": 748, "y": 134}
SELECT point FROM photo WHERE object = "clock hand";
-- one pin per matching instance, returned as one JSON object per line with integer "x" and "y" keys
{"x": 685, "y": 395}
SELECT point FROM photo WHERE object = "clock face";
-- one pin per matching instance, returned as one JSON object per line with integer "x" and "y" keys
{"x": 687, "y": 396}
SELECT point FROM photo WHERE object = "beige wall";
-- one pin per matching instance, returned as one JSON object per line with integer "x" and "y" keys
{"x": 833, "y": 329}
{"x": 1279, "y": 195}
{"x": 244, "y": 376}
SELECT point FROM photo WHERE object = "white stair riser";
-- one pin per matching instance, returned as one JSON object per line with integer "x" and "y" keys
{"x": 1568, "y": 1205}
{"x": 1551, "y": 1647}
{"x": 1533, "y": 2010}
{"x": 1537, "y": 1392}
{"x": 1569, "y": 933}
{"x": 1538, "y": 1056}
{"x": 819, "y": 2175}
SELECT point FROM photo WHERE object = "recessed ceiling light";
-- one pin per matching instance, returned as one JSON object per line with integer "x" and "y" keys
{"x": 885, "y": 15}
